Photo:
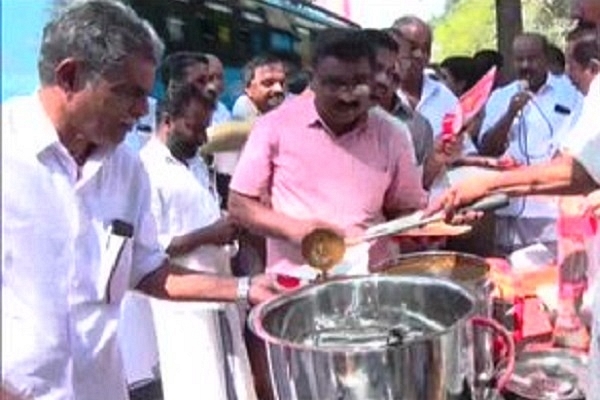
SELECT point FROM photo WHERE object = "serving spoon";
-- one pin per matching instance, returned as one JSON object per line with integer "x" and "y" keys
{"x": 324, "y": 248}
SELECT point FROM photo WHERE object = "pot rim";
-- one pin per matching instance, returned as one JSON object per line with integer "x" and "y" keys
{"x": 385, "y": 266}
{"x": 256, "y": 315}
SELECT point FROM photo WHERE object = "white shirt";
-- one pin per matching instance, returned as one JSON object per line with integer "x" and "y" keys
{"x": 583, "y": 144}
{"x": 435, "y": 102}
{"x": 182, "y": 201}
{"x": 142, "y": 131}
{"x": 225, "y": 161}
{"x": 243, "y": 110}
{"x": 63, "y": 272}
{"x": 198, "y": 358}
{"x": 221, "y": 114}
{"x": 532, "y": 135}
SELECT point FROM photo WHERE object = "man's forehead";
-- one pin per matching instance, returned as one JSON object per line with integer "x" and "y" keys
{"x": 270, "y": 68}
{"x": 332, "y": 66}
{"x": 528, "y": 44}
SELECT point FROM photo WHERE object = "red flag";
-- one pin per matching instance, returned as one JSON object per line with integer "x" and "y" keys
{"x": 470, "y": 103}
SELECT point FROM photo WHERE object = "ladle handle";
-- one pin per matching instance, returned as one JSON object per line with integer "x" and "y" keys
{"x": 489, "y": 203}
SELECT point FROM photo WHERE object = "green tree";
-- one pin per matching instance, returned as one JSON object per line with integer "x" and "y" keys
{"x": 470, "y": 25}
{"x": 467, "y": 26}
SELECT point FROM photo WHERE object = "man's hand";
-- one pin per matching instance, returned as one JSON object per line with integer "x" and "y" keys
{"x": 592, "y": 203}
{"x": 460, "y": 195}
{"x": 518, "y": 102}
{"x": 225, "y": 230}
{"x": 262, "y": 287}
{"x": 448, "y": 149}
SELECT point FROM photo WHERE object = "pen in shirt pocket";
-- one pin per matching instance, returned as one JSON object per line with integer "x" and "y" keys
{"x": 119, "y": 233}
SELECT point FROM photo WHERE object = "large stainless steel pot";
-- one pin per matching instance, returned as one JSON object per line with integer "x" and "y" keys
{"x": 474, "y": 273}
{"x": 367, "y": 337}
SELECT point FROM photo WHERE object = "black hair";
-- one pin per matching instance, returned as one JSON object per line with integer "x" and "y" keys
{"x": 488, "y": 58}
{"x": 256, "y": 62}
{"x": 345, "y": 44}
{"x": 381, "y": 39}
{"x": 484, "y": 60}
{"x": 556, "y": 56}
{"x": 585, "y": 44}
{"x": 173, "y": 69}
{"x": 543, "y": 40}
{"x": 179, "y": 97}
{"x": 462, "y": 68}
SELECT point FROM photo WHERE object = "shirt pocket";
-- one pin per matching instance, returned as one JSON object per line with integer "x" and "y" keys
{"x": 115, "y": 268}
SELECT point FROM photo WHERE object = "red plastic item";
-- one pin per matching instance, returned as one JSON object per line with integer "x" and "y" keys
{"x": 287, "y": 282}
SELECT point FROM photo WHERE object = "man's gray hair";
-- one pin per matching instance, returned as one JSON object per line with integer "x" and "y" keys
{"x": 409, "y": 20}
{"x": 99, "y": 33}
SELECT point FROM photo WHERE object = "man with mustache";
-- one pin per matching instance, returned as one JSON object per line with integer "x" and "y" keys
{"x": 416, "y": 88}
{"x": 264, "y": 80}
{"x": 77, "y": 230}
{"x": 521, "y": 121}
{"x": 195, "y": 236}
{"x": 327, "y": 158}
{"x": 433, "y": 155}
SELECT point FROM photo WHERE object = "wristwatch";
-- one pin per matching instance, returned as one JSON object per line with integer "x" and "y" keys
{"x": 243, "y": 290}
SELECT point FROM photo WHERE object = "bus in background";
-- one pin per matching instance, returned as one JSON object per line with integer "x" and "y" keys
{"x": 233, "y": 30}
{"x": 237, "y": 30}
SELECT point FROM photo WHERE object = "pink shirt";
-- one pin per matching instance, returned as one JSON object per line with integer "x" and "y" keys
{"x": 310, "y": 173}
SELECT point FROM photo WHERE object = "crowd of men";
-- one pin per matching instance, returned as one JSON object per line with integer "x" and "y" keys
{"x": 119, "y": 240}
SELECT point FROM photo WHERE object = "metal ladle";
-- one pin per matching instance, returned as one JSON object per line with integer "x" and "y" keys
{"x": 324, "y": 248}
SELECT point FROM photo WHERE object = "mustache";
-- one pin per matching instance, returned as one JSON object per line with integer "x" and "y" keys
{"x": 348, "y": 104}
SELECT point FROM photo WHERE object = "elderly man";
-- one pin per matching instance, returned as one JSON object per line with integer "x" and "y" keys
{"x": 338, "y": 162}
{"x": 77, "y": 227}
{"x": 419, "y": 91}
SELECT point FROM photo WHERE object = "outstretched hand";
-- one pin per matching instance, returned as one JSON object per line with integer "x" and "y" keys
{"x": 458, "y": 196}
{"x": 262, "y": 288}
{"x": 592, "y": 203}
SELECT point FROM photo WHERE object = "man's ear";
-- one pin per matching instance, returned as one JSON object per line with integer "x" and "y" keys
{"x": 166, "y": 119}
{"x": 69, "y": 75}
{"x": 595, "y": 66}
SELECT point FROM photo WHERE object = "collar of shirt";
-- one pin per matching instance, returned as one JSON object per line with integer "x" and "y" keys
{"x": 41, "y": 127}
{"x": 430, "y": 89}
{"x": 552, "y": 83}
{"x": 46, "y": 142}
{"x": 161, "y": 151}
{"x": 314, "y": 120}
{"x": 401, "y": 108}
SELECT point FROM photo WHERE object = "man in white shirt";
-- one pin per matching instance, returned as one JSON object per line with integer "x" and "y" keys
{"x": 136, "y": 334}
{"x": 216, "y": 87}
{"x": 77, "y": 227}
{"x": 521, "y": 121}
{"x": 422, "y": 93}
{"x": 192, "y": 337}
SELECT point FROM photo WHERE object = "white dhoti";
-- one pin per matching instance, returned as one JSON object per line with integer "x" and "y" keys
{"x": 201, "y": 347}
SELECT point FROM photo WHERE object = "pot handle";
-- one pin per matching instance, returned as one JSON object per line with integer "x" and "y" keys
{"x": 510, "y": 345}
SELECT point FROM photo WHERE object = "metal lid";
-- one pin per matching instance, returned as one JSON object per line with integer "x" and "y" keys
{"x": 554, "y": 374}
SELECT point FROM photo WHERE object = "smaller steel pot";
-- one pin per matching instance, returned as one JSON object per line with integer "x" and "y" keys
{"x": 553, "y": 374}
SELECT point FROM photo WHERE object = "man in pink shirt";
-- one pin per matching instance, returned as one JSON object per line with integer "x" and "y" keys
{"x": 326, "y": 158}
